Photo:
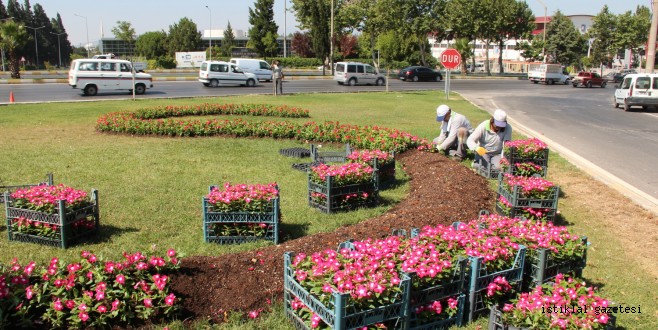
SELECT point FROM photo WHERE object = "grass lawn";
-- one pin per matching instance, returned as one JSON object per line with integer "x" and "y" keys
{"x": 150, "y": 188}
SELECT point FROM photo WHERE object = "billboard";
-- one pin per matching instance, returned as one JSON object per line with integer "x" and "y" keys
{"x": 189, "y": 59}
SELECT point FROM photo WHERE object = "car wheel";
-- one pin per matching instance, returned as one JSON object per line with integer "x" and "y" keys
{"x": 438, "y": 78}
{"x": 251, "y": 83}
{"x": 626, "y": 106}
{"x": 415, "y": 79}
{"x": 535, "y": 82}
{"x": 91, "y": 90}
{"x": 340, "y": 83}
{"x": 379, "y": 82}
{"x": 140, "y": 89}
{"x": 589, "y": 84}
{"x": 352, "y": 82}
{"x": 206, "y": 84}
{"x": 603, "y": 84}
{"x": 214, "y": 83}
{"x": 574, "y": 85}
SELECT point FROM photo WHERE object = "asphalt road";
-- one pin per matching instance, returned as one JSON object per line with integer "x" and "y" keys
{"x": 619, "y": 148}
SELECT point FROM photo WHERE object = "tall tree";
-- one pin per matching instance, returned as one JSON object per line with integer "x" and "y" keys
{"x": 125, "y": 32}
{"x": 301, "y": 44}
{"x": 64, "y": 48}
{"x": 151, "y": 44}
{"x": 47, "y": 43}
{"x": 632, "y": 29}
{"x": 320, "y": 35}
{"x": 263, "y": 31}
{"x": 229, "y": 41}
{"x": 462, "y": 18}
{"x": 564, "y": 43}
{"x": 418, "y": 19}
{"x": 183, "y": 37}
{"x": 602, "y": 37}
{"x": 3, "y": 11}
{"x": 12, "y": 38}
{"x": 515, "y": 21}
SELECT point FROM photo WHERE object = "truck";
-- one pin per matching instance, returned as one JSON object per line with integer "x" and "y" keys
{"x": 548, "y": 74}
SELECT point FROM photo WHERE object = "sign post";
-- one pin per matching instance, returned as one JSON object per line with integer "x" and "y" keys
{"x": 450, "y": 59}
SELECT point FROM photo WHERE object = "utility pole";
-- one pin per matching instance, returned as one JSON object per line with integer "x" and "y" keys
{"x": 543, "y": 48}
{"x": 651, "y": 52}
{"x": 331, "y": 40}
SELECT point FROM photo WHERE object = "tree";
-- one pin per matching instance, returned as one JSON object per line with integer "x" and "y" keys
{"x": 301, "y": 44}
{"x": 564, "y": 43}
{"x": 263, "y": 31}
{"x": 12, "y": 38}
{"x": 320, "y": 34}
{"x": 229, "y": 41}
{"x": 63, "y": 45}
{"x": 152, "y": 44}
{"x": 347, "y": 45}
{"x": 602, "y": 37}
{"x": 632, "y": 29}
{"x": 463, "y": 46}
{"x": 417, "y": 20}
{"x": 514, "y": 21}
{"x": 183, "y": 37}
{"x": 463, "y": 21}
{"x": 126, "y": 33}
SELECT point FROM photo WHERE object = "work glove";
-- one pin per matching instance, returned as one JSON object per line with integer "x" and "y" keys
{"x": 481, "y": 151}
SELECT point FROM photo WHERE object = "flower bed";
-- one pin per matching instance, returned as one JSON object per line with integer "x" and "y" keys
{"x": 368, "y": 137}
{"x": 354, "y": 287}
{"x": 56, "y": 216}
{"x": 241, "y": 213}
{"x": 48, "y": 181}
{"x": 383, "y": 162}
{"x": 91, "y": 293}
{"x": 344, "y": 187}
{"x": 206, "y": 109}
{"x": 564, "y": 304}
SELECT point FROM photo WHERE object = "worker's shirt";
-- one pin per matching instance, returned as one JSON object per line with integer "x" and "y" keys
{"x": 484, "y": 137}
{"x": 451, "y": 127}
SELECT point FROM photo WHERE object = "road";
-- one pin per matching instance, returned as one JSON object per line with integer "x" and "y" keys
{"x": 619, "y": 148}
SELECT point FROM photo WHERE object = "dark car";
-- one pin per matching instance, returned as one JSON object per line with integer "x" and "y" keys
{"x": 615, "y": 77}
{"x": 417, "y": 73}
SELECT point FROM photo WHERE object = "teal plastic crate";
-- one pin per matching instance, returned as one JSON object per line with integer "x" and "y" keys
{"x": 496, "y": 321}
{"x": 73, "y": 226}
{"x": 341, "y": 314}
{"x": 541, "y": 267}
{"x": 211, "y": 219}
{"x": 513, "y": 196}
{"x": 11, "y": 189}
{"x": 518, "y": 212}
{"x": 480, "y": 278}
{"x": 330, "y": 156}
{"x": 336, "y": 198}
{"x": 439, "y": 324}
{"x": 514, "y": 156}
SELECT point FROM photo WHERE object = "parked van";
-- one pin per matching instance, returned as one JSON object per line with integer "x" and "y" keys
{"x": 92, "y": 75}
{"x": 637, "y": 89}
{"x": 353, "y": 73}
{"x": 260, "y": 68}
{"x": 215, "y": 73}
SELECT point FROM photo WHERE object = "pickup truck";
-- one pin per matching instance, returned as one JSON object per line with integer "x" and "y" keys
{"x": 588, "y": 79}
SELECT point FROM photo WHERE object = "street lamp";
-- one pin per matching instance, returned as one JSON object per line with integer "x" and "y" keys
{"x": 59, "y": 49}
{"x": 210, "y": 11}
{"x": 87, "y": 29}
{"x": 3, "y": 50}
{"x": 36, "y": 47}
{"x": 331, "y": 40}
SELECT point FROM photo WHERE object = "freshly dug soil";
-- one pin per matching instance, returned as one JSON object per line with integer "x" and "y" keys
{"x": 442, "y": 191}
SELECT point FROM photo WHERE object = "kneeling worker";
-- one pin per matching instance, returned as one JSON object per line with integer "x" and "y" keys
{"x": 487, "y": 140}
{"x": 455, "y": 129}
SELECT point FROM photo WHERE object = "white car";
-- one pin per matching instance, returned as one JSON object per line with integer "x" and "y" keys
{"x": 215, "y": 73}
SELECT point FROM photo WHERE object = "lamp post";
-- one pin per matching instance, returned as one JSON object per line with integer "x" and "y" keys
{"x": 331, "y": 40}
{"x": 36, "y": 47}
{"x": 210, "y": 38}
{"x": 3, "y": 50}
{"x": 87, "y": 30}
{"x": 59, "y": 49}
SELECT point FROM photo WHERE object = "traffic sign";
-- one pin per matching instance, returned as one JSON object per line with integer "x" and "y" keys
{"x": 450, "y": 58}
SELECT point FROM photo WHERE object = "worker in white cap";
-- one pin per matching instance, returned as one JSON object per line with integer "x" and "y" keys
{"x": 455, "y": 129}
{"x": 487, "y": 140}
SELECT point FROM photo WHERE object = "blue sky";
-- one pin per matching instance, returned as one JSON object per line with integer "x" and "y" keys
{"x": 155, "y": 15}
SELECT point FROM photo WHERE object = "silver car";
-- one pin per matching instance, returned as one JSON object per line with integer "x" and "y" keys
{"x": 353, "y": 73}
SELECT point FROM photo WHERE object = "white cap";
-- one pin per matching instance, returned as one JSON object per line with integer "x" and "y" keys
{"x": 441, "y": 112}
{"x": 500, "y": 118}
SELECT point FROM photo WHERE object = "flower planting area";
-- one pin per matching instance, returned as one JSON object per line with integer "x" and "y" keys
{"x": 430, "y": 260}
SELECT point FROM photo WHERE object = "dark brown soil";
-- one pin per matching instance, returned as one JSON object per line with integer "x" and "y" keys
{"x": 441, "y": 191}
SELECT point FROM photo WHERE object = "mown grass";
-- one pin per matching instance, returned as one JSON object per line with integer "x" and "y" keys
{"x": 151, "y": 187}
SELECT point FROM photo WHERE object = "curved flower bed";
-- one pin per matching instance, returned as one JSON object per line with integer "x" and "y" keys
{"x": 221, "y": 109}
{"x": 159, "y": 123}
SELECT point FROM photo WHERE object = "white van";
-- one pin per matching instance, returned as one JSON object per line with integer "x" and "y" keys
{"x": 260, "y": 68}
{"x": 637, "y": 89}
{"x": 215, "y": 73}
{"x": 353, "y": 73}
{"x": 92, "y": 75}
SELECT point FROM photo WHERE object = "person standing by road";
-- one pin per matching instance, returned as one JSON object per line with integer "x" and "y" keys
{"x": 455, "y": 129}
{"x": 487, "y": 140}
{"x": 277, "y": 77}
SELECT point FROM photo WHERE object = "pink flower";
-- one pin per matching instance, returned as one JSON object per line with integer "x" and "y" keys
{"x": 83, "y": 316}
{"x": 170, "y": 299}
{"x": 254, "y": 314}
{"x": 121, "y": 279}
{"x": 101, "y": 309}
{"x": 148, "y": 302}
{"x": 171, "y": 253}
